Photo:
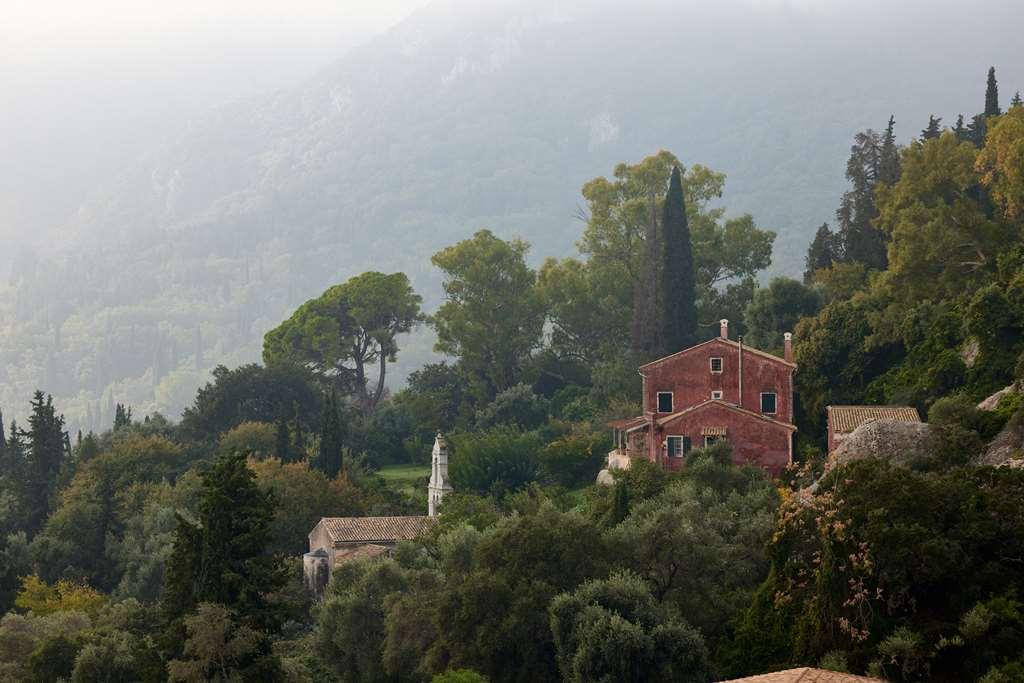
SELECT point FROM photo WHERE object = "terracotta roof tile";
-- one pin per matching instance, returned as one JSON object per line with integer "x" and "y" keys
{"x": 359, "y": 552}
{"x": 370, "y": 529}
{"x": 845, "y": 419}
{"x": 805, "y": 675}
{"x": 725, "y": 404}
{"x": 626, "y": 423}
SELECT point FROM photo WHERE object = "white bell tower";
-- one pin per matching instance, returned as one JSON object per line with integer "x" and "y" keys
{"x": 438, "y": 475}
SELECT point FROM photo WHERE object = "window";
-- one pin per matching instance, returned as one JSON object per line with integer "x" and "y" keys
{"x": 768, "y": 401}
{"x": 716, "y": 365}
{"x": 678, "y": 446}
{"x": 664, "y": 401}
{"x": 716, "y": 395}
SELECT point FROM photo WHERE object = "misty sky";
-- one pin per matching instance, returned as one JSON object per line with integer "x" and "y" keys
{"x": 86, "y": 86}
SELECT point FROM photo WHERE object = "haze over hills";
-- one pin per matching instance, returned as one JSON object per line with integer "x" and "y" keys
{"x": 463, "y": 117}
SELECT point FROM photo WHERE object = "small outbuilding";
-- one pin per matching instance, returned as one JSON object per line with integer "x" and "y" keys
{"x": 844, "y": 420}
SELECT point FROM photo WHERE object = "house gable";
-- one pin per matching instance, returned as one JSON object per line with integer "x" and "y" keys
{"x": 719, "y": 369}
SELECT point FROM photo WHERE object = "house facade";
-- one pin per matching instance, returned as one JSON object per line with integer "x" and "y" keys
{"x": 720, "y": 389}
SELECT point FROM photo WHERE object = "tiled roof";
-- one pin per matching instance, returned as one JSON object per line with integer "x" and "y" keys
{"x": 806, "y": 675}
{"x": 725, "y": 404}
{"x": 359, "y": 552}
{"x": 626, "y": 423}
{"x": 845, "y": 419}
{"x": 370, "y": 529}
{"x": 728, "y": 342}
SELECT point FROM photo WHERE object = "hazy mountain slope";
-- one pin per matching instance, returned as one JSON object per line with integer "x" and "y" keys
{"x": 463, "y": 117}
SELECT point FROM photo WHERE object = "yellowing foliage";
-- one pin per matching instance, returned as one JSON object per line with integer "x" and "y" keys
{"x": 42, "y": 598}
{"x": 1001, "y": 163}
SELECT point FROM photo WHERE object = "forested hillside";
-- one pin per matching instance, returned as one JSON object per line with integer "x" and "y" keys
{"x": 464, "y": 117}
{"x": 156, "y": 550}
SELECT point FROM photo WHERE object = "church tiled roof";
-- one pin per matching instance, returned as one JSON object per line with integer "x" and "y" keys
{"x": 805, "y": 675}
{"x": 375, "y": 529}
{"x": 845, "y": 419}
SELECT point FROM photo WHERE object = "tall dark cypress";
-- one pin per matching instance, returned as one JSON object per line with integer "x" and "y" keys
{"x": 283, "y": 441}
{"x": 933, "y": 130}
{"x": 1016, "y": 101}
{"x": 992, "y": 94}
{"x": 822, "y": 252}
{"x": 46, "y": 454}
{"x": 221, "y": 557}
{"x": 328, "y": 458}
{"x": 678, "y": 282}
{"x": 889, "y": 158}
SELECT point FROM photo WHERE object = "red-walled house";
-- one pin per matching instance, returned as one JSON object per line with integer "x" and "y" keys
{"x": 720, "y": 389}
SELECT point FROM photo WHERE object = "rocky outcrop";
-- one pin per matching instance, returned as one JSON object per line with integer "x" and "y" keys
{"x": 1007, "y": 449}
{"x": 896, "y": 442}
{"x": 992, "y": 402}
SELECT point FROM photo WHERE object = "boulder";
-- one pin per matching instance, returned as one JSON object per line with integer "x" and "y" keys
{"x": 897, "y": 442}
{"x": 992, "y": 402}
{"x": 1007, "y": 449}
{"x": 605, "y": 478}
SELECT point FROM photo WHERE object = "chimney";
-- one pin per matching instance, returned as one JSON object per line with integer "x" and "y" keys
{"x": 788, "y": 343}
{"x": 724, "y": 334}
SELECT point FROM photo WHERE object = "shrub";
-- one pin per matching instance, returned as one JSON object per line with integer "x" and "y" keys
{"x": 494, "y": 461}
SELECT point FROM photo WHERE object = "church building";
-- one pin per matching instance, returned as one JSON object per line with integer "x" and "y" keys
{"x": 335, "y": 540}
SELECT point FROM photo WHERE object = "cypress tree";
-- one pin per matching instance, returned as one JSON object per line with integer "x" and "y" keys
{"x": 1016, "y": 101}
{"x": 977, "y": 129}
{"x": 222, "y": 557}
{"x": 889, "y": 158}
{"x": 283, "y": 442}
{"x": 328, "y": 459}
{"x": 933, "y": 130}
{"x": 620, "y": 503}
{"x": 992, "y": 94}
{"x": 959, "y": 130}
{"x": 859, "y": 240}
{"x": 45, "y": 456}
{"x": 122, "y": 417}
{"x": 678, "y": 287}
{"x": 822, "y": 253}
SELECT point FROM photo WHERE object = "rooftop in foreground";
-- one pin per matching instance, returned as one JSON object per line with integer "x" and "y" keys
{"x": 805, "y": 675}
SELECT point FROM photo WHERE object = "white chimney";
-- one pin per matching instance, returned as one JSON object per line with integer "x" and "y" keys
{"x": 788, "y": 343}
{"x": 724, "y": 334}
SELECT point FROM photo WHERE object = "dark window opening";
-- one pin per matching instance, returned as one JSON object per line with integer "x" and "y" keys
{"x": 768, "y": 402}
{"x": 716, "y": 365}
{"x": 664, "y": 401}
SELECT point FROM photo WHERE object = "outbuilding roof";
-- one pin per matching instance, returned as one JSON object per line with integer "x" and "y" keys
{"x": 805, "y": 675}
{"x": 845, "y": 419}
{"x": 375, "y": 529}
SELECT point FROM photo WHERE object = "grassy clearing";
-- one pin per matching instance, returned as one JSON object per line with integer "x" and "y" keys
{"x": 403, "y": 476}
